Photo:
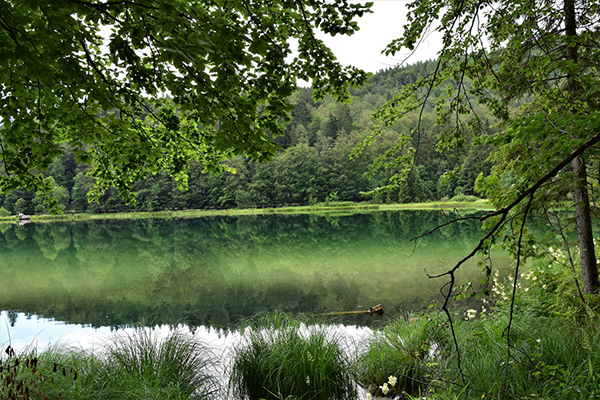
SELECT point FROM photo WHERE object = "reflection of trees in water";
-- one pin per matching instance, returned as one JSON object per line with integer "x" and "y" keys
{"x": 215, "y": 271}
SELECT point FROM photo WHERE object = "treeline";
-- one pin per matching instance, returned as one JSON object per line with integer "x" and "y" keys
{"x": 313, "y": 165}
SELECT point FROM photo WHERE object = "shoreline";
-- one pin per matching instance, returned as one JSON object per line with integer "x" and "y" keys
{"x": 328, "y": 209}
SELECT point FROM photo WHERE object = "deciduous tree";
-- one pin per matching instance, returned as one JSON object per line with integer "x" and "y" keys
{"x": 534, "y": 64}
{"x": 92, "y": 75}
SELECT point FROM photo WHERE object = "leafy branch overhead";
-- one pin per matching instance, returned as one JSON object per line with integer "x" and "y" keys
{"x": 534, "y": 66}
{"x": 93, "y": 75}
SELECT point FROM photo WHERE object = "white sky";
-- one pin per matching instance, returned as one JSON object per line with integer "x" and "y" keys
{"x": 364, "y": 49}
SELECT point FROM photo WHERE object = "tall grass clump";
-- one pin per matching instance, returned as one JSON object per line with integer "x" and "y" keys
{"x": 398, "y": 359}
{"x": 281, "y": 358}
{"x": 145, "y": 365}
{"x": 539, "y": 358}
{"x": 53, "y": 374}
{"x": 544, "y": 344}
{"x": 141, "y": 365}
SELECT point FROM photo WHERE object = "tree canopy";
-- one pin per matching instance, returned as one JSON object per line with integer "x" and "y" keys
{"x": 534, "y": 65}
{"x": 92, "y": 76}
{"x": 311, "y": 167}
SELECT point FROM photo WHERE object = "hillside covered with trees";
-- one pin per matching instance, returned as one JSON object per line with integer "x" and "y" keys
{"x": 312, "y": 166}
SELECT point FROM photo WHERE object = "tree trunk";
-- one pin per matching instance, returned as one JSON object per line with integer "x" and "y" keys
{"x": 589, "y": 268}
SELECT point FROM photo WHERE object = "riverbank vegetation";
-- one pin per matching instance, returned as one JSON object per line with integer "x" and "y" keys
{"x": 540, "y": 341}
{"x": 327, "y": 208}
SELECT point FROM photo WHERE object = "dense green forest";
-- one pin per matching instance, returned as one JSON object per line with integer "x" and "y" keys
{"x": 312, "y": 166}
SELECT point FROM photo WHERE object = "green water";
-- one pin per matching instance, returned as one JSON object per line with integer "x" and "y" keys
{"x": 214, "y": 271}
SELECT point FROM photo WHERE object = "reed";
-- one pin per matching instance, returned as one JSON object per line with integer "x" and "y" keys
{"x": 398, "y": 359}
{"x": 141, "y": 365}
{"x": 146, "y": 365}
{"x": 281, "y": 358}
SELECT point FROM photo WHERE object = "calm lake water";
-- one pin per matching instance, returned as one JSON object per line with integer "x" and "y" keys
{"x": 207, "y": 273}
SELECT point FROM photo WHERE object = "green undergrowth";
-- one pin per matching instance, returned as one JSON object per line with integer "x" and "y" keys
{"x": 547, "y": 347}
{"x": 399, "y": 352}
{"x": 138, "y": 366}
{"x": 280, "y": 358}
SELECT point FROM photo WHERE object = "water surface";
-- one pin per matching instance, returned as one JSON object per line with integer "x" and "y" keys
{"x": 215, "y": 271}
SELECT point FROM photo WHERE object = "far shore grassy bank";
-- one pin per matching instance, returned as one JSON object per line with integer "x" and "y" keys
{"x": 335, "y": 208}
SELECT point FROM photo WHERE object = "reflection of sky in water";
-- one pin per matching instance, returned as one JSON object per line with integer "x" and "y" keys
{"x": 41, "y": 333}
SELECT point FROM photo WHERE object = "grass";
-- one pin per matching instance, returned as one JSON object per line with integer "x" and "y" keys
{"x": 281, "y": 358}
{"x": 552, "y": 350}
{"x": 411, "y": 356}
{"x": 547, "y": 359}
{"x": 138, "y": 366}
{"x": 176, "y": 367}
{"x": 402, "y": 351}
{"x": 322, "y": 208}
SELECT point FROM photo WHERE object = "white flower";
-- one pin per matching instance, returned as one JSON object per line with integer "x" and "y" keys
{"x": 369, "y": 396}
{"x": 385, "y": 389}
{"x": 471, "y": 313}
{"x": 307, "y": 380}
{"x": 392, "y": 380}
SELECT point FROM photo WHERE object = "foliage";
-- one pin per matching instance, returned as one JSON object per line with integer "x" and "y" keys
{"x": 310, "y": 168}
{"x": 401, "y": 349}
{"x": 24, "y": 376}
{"x": 463, "y": 197}
{"x": 139, "y": 366}
{"x": 550, "y": 350}
{"x": 68, "y": 84}
{"x": 546, "y": 115}
{"x": 145, "y": 365}
{"x": 281, "y": 358}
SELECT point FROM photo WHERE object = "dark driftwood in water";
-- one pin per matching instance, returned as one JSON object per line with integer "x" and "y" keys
{"x": 375, "y": 310}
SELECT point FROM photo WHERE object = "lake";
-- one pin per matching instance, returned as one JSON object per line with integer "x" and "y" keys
{"x": 212, "y": 272}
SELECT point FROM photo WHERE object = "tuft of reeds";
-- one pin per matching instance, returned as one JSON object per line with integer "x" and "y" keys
{"x": 398, "y": 358}
{"x": 139, "y": 365}
{"x": 145, "y": 365}
{"x": 544, "y": 358}
{"x": 282, "y": 358}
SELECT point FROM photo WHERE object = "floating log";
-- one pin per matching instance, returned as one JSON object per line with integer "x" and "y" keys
{"x": 375, "y": 310}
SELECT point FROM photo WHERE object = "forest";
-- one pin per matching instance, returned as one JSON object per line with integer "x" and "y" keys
{"x": 312, "y": 166}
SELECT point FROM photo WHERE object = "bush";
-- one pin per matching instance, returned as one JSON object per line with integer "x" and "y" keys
{"x": 4, "y": 212}
{"x": 464, "y": 198}
{"x": 280, "y": 358}
{"x": 401, "y": 353}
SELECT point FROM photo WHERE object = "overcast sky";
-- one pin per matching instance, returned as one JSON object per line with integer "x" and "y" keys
{"x": 378, "y": 29}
